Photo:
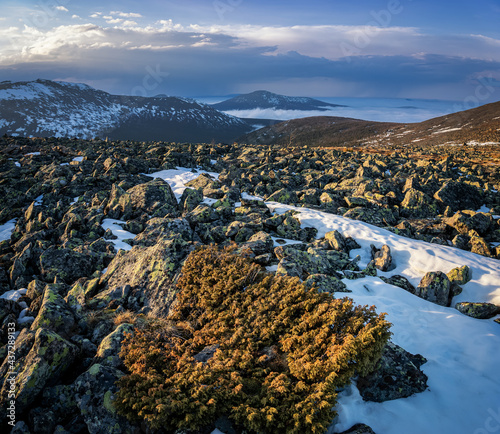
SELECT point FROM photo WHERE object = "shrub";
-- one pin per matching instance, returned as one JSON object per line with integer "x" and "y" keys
{"x": 274, "y": 351}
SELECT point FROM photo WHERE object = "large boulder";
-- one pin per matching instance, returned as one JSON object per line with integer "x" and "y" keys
{"x": 55, "y": 314}
{"x": 478, "y": 310}
{"x": 465, "y": 221}
{"x": 40, "y": 360}
{"x": 397, "y": 375}
{"x": 94, "y": 392}
{"x": 143, "y": 276}
{"x": 154, "y": 198}
{"x": 458, "y": 195}
{"x": 417, "y": 204}
{"x": 66, "y": 264}
{"x": 162, "y": 229}
{"x": 375, "y": 215}
{"x": 109, "y": 348}
{"x": 435, "y": 287}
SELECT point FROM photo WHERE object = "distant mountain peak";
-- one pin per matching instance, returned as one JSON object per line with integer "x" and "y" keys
{"x": 263, "y": 99}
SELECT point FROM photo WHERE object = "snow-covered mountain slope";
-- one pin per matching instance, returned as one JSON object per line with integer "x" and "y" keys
{"x": 462, "y": 353}
{"x": 263, "y": 99}
{"x": 47, "y": 108}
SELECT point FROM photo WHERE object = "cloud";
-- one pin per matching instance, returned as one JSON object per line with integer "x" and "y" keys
{"x": 298, "y": 60}
{"x": 61, "y": 8}
{"x": 126, "y": 14}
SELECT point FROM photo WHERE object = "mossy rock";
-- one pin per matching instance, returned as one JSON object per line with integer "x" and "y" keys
{"x": 478, "y": 310}
{"x": 460, "y": 275}
{"x": 48, "y": 357}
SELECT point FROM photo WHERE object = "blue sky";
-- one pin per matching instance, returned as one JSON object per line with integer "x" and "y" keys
{"x": 391, "y": 48}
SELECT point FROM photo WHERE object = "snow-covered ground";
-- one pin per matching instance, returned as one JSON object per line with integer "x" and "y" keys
{"x": 462, "y": 353}
{"x": 119, "y": 232}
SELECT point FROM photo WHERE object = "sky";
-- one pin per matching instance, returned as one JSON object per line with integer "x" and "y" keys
{"x": 321, "y": 48}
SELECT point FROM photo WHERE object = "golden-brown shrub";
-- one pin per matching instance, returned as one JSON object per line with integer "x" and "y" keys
{"x": 279, "y": 351}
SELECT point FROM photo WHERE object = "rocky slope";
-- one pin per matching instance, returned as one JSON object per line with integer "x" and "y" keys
{"x": 45, "y": 108}
{"x": 262, "y": 99}
{"x": 479, "y": 125}
{"x": 73, "y": 296}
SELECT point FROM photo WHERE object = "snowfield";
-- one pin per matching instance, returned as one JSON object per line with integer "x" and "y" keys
{"x": 462, "y": 353}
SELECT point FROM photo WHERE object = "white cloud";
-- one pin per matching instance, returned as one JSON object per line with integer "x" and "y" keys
{"x": 75, "y": 17}
{"x": 96, "y": 15}
{"x": 126, "y": 14}
{"x": 61, "y": 8}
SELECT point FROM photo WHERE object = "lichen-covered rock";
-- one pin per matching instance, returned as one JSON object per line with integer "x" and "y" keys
{"x": 416, "y": 204}
{"x": 202, "y": 214}
{"x": 465, "y": 221}
{"x": 480, "y": 246}
{"x": 94, "y": 393}
{"x": 289, "y": 268}
{"x": 400, "y": 281}
{"x": 66, "y": 264}
{"x": 378, "y": 216}
{"x": 143, "y": 275}
{"x": 325, "y": 283}
{"x": 460, "y": 275}
{"x": 478, "y": 310}
{"x": 203, "y": 181}
{"x": 154, "y": 198}
{"x": 434, "y": 287}
{"x": 55, "y": 314}
{"x": 397, "y": 375}
{"x": 41, "y": 358}
{"x": 316, "y": 261}
{"x": 458, "y": 195}
{"x": 190, "y": 199}
{"x": 259, "y": 243}
{"x": 285, "y": 196}
{"x": 336, "y": 240}
{"x": 382, "y": 259}
{"x": 162, "y": 229}
{"x": 109, "y": 349}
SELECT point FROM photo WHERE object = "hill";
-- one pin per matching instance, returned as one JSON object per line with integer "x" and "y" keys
{"x": 478, "y": 125}
{"x": 264, "y": 100}
{"x": 45, "y": 108}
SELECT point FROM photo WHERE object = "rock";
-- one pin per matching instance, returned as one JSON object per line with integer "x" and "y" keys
{"x": 417, "y": 204}
{"x": 377, "y": 216}
{"x": 20, "y": 428}
{"x": 259, "y": 243}
{"x": 202, "y": 214}
{"x": 285, "y": 196}
{"x": 460, "y": 275}
{"x": 66, "y": 264}
{"x": 359, "y": 428}
{"x": 325, "y": 283}
{"x": 289, "y": 268}
{"x": 94, "y": 392}
{"x": 465, "y": 221}
{"x": 478, "y": 310}
{"x": 162, "y": 229}
{"x": 400, "y": 281}
{"x": 203, "y": 181}
{"x": 154, "y": 198}
{"x": 336, "y": 240}
{"x": 8, "y": 307}
{"x": 397, "y": 375}
{"x": 382, "y": 259}
{"x": 40, "y": 360}
{"x": 55, "y": 314}
{"x": 42, "y": 420}
{"x": 207, "y": 353}
{"x": 148, "y": 274}
{"x": 109, "y": 349}
{"x": 480, "y": 246}
{"x": 435, "y": 287}
{"x": 190, "y": 199}
{"x": 458, "y": 195}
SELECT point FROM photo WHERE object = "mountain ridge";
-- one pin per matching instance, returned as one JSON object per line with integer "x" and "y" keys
{"x": 62, "y": 109}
